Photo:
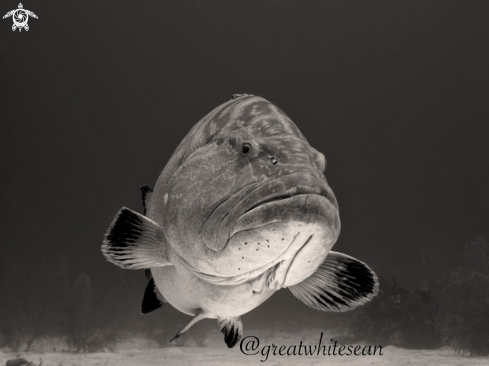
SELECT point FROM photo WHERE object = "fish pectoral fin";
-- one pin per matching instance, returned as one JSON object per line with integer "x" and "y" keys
{"x": 147, "y": 193}
{"x": 341, "y": 283}
{"x": 197, "y": 317}
{"x": 134, "y": 241}
{"x": 153, "y": 299}
{"x": 232, "y": 328}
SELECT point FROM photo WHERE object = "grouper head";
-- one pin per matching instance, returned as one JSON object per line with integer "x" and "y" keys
{"x": 244, "y": 194}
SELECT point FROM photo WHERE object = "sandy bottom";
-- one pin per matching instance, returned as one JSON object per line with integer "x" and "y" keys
{"x": 140, "y": 352}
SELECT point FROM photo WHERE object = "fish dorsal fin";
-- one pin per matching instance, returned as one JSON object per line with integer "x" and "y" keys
{"x": 153, "y": 299}
{"x": 147, "y": 193}
{"x": 197, "y": 317}
{"x": 232, "y": 328}
{"x": 134, "y": 241}
{"x": 236, "y": 96}
{"x": 341, "y": 283}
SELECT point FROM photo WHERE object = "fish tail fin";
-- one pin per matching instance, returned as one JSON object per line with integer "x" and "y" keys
{"x": 341, "y": 283}
{"x": 197, "y": 317}
{"x": 134, "y": 241}
{"x": 232, "y": 328}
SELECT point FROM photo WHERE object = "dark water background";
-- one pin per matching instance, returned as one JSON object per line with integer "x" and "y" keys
{"x": 97, "y": 95}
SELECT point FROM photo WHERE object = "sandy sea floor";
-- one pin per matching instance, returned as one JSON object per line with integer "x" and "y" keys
{"x": 138, "y": 351}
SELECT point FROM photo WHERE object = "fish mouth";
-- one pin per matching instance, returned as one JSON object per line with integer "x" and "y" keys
{"x": 277, "y": 191}
{"x": 273, "y": 199}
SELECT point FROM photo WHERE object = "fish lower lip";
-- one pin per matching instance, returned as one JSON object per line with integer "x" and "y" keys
{"x": 273, "y": 199}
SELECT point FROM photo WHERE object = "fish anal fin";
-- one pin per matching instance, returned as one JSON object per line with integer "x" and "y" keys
{"x": 153, "y": 299}
{"x": 197, "y": 317}
{"x": 146, "y": 195}
{"x": 232, "y": 328}
{"x": 341, "y": 283}
{"x": 134, "y": 241}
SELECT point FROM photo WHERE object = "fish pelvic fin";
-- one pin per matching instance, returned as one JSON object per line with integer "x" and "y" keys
{"x": 153, "y": 299}
{"x": 146, "y": 195}
{"x": 197, "y": 317}
{"x": 134, "y": 241}
{"x": 232, "y": 328}
{"x": 341, "y": 283}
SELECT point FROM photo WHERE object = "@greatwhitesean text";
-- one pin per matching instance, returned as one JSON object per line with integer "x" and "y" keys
{"x": 250, "y": 346}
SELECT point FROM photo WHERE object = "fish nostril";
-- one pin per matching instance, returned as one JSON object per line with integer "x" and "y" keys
{"x": 273, "y": 160}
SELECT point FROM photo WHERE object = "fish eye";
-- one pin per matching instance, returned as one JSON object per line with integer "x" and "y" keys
{"x": 246, "y": 148}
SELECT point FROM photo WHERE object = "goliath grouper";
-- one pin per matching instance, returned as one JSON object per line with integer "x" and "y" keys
{"x": 241, "y": 210}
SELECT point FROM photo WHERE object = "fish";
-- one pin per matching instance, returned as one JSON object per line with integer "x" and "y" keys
{"x": 241, "y": 210}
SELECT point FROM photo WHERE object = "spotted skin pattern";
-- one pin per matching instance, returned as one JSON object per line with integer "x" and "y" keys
{"x": 241, "y": 210}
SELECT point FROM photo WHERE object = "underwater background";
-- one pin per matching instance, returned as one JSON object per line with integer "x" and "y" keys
{"x": 97, "y": 95}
